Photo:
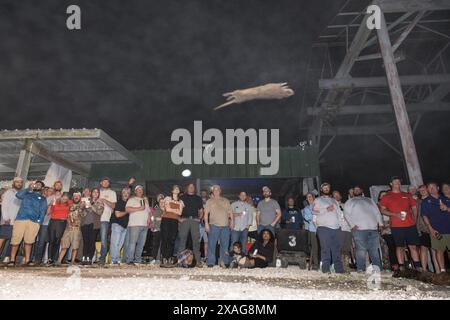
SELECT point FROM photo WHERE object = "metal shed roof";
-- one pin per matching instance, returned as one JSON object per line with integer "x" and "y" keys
{"x": 76, "y": 149}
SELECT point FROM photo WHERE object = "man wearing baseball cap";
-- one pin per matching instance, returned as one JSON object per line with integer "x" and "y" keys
{"x": 327, "y": 217}
{"x": 10, "y": 208}
{"x": 401, "y": 209}
{"x": 28, "y": 220}
{"x": 109, "y": 199}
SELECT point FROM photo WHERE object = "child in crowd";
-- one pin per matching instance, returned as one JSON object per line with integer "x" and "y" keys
{"x": 235, "y": 255}
{"x": 185, "y": 259}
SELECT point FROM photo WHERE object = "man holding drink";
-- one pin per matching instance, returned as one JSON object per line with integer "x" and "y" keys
{"x": 401, "y": 209}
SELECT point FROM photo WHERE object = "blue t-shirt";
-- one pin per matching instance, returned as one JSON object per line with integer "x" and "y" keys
{"x": 439, "y": 220}
{"x": 293, "y": 216}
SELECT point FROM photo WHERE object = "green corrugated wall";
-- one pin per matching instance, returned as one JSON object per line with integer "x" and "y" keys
{"x": 157, "y": 165}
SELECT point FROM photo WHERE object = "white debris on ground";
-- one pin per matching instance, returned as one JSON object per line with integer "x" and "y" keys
{"x": 155, "y": 283}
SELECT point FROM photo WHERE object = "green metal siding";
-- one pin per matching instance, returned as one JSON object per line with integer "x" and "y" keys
{"x": 157, "y": 165}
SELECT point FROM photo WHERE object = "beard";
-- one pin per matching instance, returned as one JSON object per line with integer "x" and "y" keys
{"x": 326, "y": 193}
{"x": 357, "y": 194}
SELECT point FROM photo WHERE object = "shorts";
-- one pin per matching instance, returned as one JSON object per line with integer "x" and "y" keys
{"x": 71, "y": 238}
{"x": 405, "y": 236}
{"x": 346, "y": 241}
{"x": 425, "y": 240}
{"x": 25, "y": 230}
{"x": 6, "y": 231}
{"x": 441, "y": 245}
{"x": 203, "y": 234}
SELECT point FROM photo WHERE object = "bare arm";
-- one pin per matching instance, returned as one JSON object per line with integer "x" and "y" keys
{"x": 388, "y": 213}
{"x": 277, "y": 217}
{"x": 429, "y": 226}
{"x": 120, "y": 214}
{"x": 133, "y": 209}
{"x": 414, "y": 212}
{"x": 110, "y": 204}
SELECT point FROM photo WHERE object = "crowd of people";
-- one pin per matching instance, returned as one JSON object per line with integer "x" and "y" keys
{"x": 186, "y": 228}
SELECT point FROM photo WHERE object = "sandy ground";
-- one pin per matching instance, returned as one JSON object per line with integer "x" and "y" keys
{"x": 152, "y": 282}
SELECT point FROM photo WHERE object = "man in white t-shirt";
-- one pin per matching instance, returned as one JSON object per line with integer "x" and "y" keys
{"x": 109, "y": 199}
{"x": 10, "y": 208}
{"x": 138, "y": 208}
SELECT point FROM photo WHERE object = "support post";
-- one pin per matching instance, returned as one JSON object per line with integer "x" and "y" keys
{"x": 23, "y": 165}
{"x": 197, "y": 185}
{"x": 398, "y": 102}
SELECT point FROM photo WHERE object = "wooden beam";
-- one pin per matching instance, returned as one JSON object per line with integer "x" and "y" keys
{"x": 398, "y": 102}
{"x": 371, "y": 82}
{"x": 389, "y": 6}
{"x": 39, "y": 150}
{"x": 383, "y": 108}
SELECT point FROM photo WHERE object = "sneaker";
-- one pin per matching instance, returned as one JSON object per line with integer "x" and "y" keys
{"x": 11, "y": 264}
{"x": 222, "y": 264}
{"x": 199, "y": 264}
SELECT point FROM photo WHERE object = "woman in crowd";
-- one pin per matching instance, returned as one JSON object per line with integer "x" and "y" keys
{"x": 262, "y": 251}
{"x": 173, "y": 208}
{"x": 313, "y": 240}
{"x": 59, "y": 211}
{"x": 91, "y": 210}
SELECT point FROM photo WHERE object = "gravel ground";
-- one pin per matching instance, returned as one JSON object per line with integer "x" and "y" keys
{"x": 151, "y": 282}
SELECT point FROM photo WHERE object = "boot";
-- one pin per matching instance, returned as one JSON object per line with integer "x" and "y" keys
{"x": 346, "y": 262}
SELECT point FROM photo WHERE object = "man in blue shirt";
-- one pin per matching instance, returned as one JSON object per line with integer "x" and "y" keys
{"x": 29, "y": 218}
{"x": 292, "y": 218}
{"x": 435, "y": 210}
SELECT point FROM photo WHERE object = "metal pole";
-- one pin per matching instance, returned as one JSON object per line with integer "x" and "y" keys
{"x": 23, "y": 165}
{"x": 398, "y": 102}
{"x": 197, "y": 185}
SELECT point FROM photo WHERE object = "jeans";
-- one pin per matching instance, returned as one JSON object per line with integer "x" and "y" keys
{"x": 104, "y": 230}
{"x": 330, "y": 249}
{"x": 169, "y": 231}
{"x": 117, "y": 240}
{"x": 239, "y": 236}
{"x": 268, "y": 227}
{"x": 40, "y": 245}
{"x": 55, "y": 231}
{"x": 156, "y": 244}
{"x": 192, "y": 226}
{"x": 88, "y": 233}
{"x": 314, "y": 247}
{"x": 367, "y": 241}
{"x": 136, "y": 241}
{"x": 221, "y": 234}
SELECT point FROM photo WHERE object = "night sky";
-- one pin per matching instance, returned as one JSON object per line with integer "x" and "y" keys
{"x": 140, "y": 69}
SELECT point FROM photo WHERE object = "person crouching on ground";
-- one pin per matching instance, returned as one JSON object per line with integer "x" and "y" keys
{"x": 72, "y": 234}
{"x": 185, "y": 259}
{"x": 261, "y": 252}
{"x": 236, "y": 254}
